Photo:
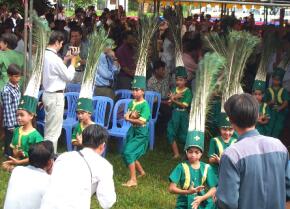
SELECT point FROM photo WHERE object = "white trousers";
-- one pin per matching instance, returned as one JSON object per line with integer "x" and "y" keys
{"x": 54, "y": 108}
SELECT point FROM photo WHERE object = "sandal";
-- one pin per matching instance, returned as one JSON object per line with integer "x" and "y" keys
{"x": 130, "y": 183}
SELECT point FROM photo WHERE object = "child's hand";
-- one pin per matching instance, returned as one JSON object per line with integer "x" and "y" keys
{"x": 216, "y": 157}
{"x": 7, "y": 166}
{"x": 196, "y": 202}
{"x": 178, "y": 95}
{"x": 193, "y": 190}
{"x": 134, "y": 115}
{"x": 18, "y": 153}
{"x": 79, "y": 139}
{"x": 127, "y": 116}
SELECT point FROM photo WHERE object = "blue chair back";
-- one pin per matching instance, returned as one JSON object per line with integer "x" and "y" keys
{"x": 121, "y": 105}
{"x": 123, "y": 94}
{"x": 73, "y": 87}
{"x": 72, "y": 103}
{"x": 152, "y": 98}
{"x": 103, "y": 107}
{"x": 40, "y": 114}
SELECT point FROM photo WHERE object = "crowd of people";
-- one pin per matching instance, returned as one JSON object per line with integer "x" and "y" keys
{"x": 245, "y": 148}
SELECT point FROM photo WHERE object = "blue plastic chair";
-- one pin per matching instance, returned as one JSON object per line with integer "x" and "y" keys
{"x": 40, "y": 114}
{"x": 101, "y": 104}
{"x": 73, "y": 87}
{"x": 152, "y": 98}
{"x": 119, "y": 130}
{"x": 123, "y": 94}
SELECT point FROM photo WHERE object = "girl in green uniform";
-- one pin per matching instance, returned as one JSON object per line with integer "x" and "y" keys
{"x": 277, "y": 98}
{"x": 220, "y": 143}
{"x": 25, "y": 135}
{"x": 180, "y": 99}
{"x": 264, "y": 111}
{"x": 137, "y": 136}
{"x": 193, "y": 181}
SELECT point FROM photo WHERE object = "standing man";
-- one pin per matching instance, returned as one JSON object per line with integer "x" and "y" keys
{"x": 77, "y": 175}
{"x": 254, "y": 172}
{"x": 55, "y": 77}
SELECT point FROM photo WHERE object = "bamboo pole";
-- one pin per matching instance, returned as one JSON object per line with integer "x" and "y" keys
{"x": 25, "y": 43}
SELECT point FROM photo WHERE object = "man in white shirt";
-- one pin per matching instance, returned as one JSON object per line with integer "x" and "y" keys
{"x": 77, "y": 175}
{"x": 55, "y": 77}
{"x": 27, "y": 184}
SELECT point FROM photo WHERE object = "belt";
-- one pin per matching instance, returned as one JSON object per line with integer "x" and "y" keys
{"x": 58, "y": 91}
{"x": 140, "y": 125}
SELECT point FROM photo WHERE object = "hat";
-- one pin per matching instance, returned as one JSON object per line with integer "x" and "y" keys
{"x": 224, "y": 121}
{"x": 85, "y": 104}
{"x": 195, "y": 139}
{"x": 181, "y": 72}
{"x": 259, "y": 85}
{"x": 28, "y": 103}
{"x": 279, "y": 73}
{"x": 139, "y": 82}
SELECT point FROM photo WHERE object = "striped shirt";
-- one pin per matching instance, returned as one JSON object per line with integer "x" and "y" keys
{"x": 10, "y": 98}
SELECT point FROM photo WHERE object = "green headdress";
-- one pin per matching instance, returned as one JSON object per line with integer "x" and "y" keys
{"x": 209, "y": 68}
{"x": 268, "y": 48}
{"x": 224, "y": 121}
{"x": 147, "y": 27}
{"x": 278, "y": 73}
{"x": 98, "y": 42}
{"x": 181, "y": 72}
{"x": 41, "y": 33}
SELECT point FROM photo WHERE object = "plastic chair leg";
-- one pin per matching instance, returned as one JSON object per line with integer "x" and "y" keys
{"x": 151, "y": 135}
{"x": 121, "y": 144}
{"x": 68, "y": 135}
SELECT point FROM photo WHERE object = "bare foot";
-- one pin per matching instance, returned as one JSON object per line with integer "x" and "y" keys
{"x": 176, "y": 157}
{"x": 142, "y": 174}
{"x": 130, "y": 183}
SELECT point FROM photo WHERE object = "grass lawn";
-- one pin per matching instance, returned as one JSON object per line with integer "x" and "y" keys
{"x": 151, "y": 192}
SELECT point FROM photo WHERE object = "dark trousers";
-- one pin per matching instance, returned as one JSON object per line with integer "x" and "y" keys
{"x": 7, "y": 142}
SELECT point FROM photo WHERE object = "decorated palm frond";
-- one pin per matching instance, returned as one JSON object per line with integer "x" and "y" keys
{"x": 147, "y": 27}
{"x": 175, "y": 24}
{"x": 98, "y": 41}
{"x": 40, "y": 34}
{"x": 269, "y": 47}
{"x": 236, "y": 47}
{"x": 209, "y": 68}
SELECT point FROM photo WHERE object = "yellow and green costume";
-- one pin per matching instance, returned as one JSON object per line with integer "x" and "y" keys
{"x": 217, "y": 146}
{"x": 22, "y": 140}
{"x": 178, "y": 125}
{"x": 137, "y": 138}
{"x": 78, "y": 130}
{"x": 183, "y": 175}
{"x": 264, "y": 129}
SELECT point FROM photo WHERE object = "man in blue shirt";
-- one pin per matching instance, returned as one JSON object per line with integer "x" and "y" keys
{"x": 108, "y": 68}
{"x": 254, "y": 172}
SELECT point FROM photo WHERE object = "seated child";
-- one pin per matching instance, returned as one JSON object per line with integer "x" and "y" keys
{"x": 264, "y": 111}
{"x": 219, "y": 144}
{"x": 137, "y": 138}
{"x": 193, "y": 181}
{"x": 180, "y": 98}
{"x": 25, "y": 135}
{"x": 84, "y": 113}
{"x": 277, "y": 98}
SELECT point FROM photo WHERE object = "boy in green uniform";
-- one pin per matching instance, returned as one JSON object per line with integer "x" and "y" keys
{"x": 264, "y": 111}
{"x": 194, "y": 181}
{"x": 220, "y": 143}
{"x": 137, "y": 136}
{"x": 180, "y": 98}
{"x": 277, "y": 98}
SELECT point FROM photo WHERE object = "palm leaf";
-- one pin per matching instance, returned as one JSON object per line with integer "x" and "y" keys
{"x": 98, "y": 41}
{"x": 146, "y": 30}
{"x": 40, "y": 34}
{"x": 209, "y": 68}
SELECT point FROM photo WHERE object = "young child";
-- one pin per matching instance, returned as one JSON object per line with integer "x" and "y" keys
{"x": 264, "y": 112}
{"x": 219, "y": 144}
{"x": 277, "y": 98}
{"x": 84, "y": 113}
{"x": 180, "y": 98}
{"x": 25, "y": 135}
{"x": 10, "y": 99}
{"x": 137, "y": 136}
{"x": 193, "y": 181}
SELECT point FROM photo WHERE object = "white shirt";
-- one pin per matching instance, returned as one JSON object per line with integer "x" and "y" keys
{"x": 26, "y": 188}
{"x": 71, "y": 184}
{"x": 55, "y": 73}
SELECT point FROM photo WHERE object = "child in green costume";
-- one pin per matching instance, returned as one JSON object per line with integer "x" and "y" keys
{"x": 137, "y": 136}
{"x": 264, "y": 111}
{"x": 277, "y": 98}
{"x": 220, "y": 143}
{"x": 84, "y": 113}
{"x": 25, "y": 135}
{"x": 180, "y": 98}
{"x": 194, "y": 181}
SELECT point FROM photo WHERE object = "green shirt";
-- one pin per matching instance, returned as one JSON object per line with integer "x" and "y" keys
{"x": 23, "y": 140}
{"x": 78, "y": 130}
{"x": 278, "y": 95}
{"x": 185, "y": 99}
{"x": 264, "y": 109}
{"x": 6, "y": 58}
{"x": 142, "y": 108}
{"x": 178, "y": 177}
